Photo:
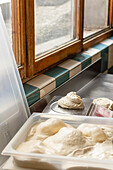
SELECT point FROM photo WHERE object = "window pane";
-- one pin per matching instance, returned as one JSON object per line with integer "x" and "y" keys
{"x": 53, "y": 24}
{"x": 95, "y": 16}
{"x": 6, "y": 11}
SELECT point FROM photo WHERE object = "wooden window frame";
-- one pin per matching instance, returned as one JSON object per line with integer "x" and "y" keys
{"x": 23, "y": 29}
{"x": 19, "y": 35}
{"x": 54, "y": 56}
{"x": 103, "y": 34}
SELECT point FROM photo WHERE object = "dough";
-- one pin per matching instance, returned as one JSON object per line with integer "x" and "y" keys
{"x": 57, "y": 138}
{"x": 45, "y": 129}
{"x": 32, "y": 146}
{"x": 105, "y": 102}
{"x": 66, "y": 140}
{"x": 93, "y": 131}
{"x": 99, "y": 150}
{"x": 71, "y": 101}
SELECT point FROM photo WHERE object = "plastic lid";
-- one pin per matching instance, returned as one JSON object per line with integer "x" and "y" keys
{"x": 14, "y": 109}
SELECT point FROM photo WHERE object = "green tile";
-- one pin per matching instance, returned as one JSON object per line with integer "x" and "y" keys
{"x": 81, "y": 57}
{"x": 56, "y": 72}
{"x": 100, "y": 47}
{"x": 29, "y": 90}
{"x": 59, "y": 73}
{"x": 110, "y": 71}
{"x": 62, "y": 79}
{"x": 104, "y": 60}
{"x": 33, "y": 98}
{"x": 86, "y": 63}
{"x": 111, "y": 38}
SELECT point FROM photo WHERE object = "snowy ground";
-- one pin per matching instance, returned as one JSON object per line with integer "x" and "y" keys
{"x": 53, "y": 24}
{"x": 53, "y": 20}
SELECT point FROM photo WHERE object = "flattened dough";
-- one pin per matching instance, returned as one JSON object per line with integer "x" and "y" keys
{"x": 31, "y": 146}
{"x": 34, "y": 146}
{"x": 66, "y": 140}
{"x": 105, "y": 102}
{"x": 71, "y": 101}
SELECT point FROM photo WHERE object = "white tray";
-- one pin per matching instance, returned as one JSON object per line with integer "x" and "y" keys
{"x": 51, "y": 161}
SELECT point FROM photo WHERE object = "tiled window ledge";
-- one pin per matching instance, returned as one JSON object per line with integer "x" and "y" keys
{"x": 51, "y": 79}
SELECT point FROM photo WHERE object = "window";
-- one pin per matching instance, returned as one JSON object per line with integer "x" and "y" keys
{"x": 6, "y": 12}
{"x": 53, "y": 24}
{"x": 95, "y": 16}
{"x": 98, "y": 21}
{"x": 52, "y": 32}
{"x": 11, "y": 13}
{"x": 46, "y": 32}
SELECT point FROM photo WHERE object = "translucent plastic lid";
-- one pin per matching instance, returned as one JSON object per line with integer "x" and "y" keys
{"x": 14, "y": 109}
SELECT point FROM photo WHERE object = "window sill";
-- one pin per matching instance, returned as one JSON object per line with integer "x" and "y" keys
{"x": 43, "y": 84}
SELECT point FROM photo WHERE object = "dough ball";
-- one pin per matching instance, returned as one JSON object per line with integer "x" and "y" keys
{"x": 66, "y": 140}
{"x": 45, "y": 129}
{"x": 71, "y": 101}
{"x": 50, "y": 127}
{"x": 90, "y": 130}
{"x": 105, "y": 102}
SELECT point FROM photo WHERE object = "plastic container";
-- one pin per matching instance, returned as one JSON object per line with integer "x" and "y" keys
{"x": 44, "y": 161}
{"x": 99, "y": 111}
{"x": 14, "y": 110}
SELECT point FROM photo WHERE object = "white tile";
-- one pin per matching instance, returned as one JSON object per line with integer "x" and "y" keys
{"x": 107, "y": 42}
{"x": 92, "y": 51}
{"x": 47, "y": 89}
{"x": 41, "y": 81}
{"x": 69, "y": 64}
{"x": 95, "y": 57}
{"x": 110, "y": 56}
{"x": 74, "y": 71}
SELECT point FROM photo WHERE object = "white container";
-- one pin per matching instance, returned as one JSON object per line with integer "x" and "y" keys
{"x": 44, "y": 161}
{"x": 14, "y": 109}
